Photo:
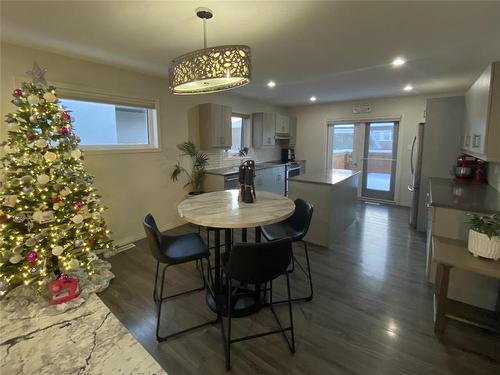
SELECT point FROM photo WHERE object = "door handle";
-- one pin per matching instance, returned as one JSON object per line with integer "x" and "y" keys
{"x": 411, "y": 155}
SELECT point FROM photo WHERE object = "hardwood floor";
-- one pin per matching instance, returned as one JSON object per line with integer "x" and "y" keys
{"x": 372, "y": 312}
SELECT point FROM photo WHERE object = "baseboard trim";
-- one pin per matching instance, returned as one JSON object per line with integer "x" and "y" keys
{"x": 140, "y": 235}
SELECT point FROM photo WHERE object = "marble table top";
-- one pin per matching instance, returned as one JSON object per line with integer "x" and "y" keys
{"x": 324, "y": 176}
{"x": 222, "y": 209}
{"x": 85, "y": 340}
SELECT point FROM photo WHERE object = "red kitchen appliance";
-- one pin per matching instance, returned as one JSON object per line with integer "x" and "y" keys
{"x": 465, "y": 167}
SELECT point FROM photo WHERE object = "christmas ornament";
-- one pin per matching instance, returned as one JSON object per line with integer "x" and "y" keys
{"x": 57, "y": 250}
{"x": 73, "y": 263}
{"x": 49, "y": 97}
{"x": 56, "y": 199}
{"x": 30, "y": 242}
{"x": 27, "y": 189}
{"x": 17, "y": 102}
{"x": 78, "y": 243}
{"x": 19, "y": 217}
{"x": 33, "y": 267}
{"x": 63, "y": 289}
{"x": 42, "y": 143}
{"x": 65, "y": 116}
{"x": 16, "y": 258}
{"x": 27, "y": 179}
{"x": 77, "y": 205}
{"x": 66, "y": 191}
{"x": 10, "y": 200}
{"x": 33, "y": 99}
{"x": 17, "y": 93}
{"x": 76, "y": 154}
{"x": 42, "y": 179}
{"x": 12, "y": 127}
{"x": 64, "y": 130}
{"x": 77, "y": 219}
{"x": 43, "y": 217}
{"x": 56, "y": 206}
{"x": 32, "y": 256}
{"x": 30, "y": 137}
{"x": 33, "y": 118}
{"x": 50, "y": 156}
{"x": 3, "y": 218}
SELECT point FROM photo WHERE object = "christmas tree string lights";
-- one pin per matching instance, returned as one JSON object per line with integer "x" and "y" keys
{"x": 50, "y": 214}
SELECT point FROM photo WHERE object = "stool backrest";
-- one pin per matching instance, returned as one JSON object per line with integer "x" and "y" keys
{"x": 302, "y": 216}
{"x": 154, "y": 236}
{"x": 257, "y": 263}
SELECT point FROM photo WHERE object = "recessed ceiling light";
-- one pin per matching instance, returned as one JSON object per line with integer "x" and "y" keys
{"x": 312, "y": 98}
{"x": 398, "y": 61}
{"x": 408, "y": 88}
{"x": 271, "y": 84}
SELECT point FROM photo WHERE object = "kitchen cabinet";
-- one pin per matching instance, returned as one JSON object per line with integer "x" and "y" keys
{"x": 282, "y": 125}
{"x": 293, "y": 132}
{"x": 482, "y": 116}
{"x": 215, "y": 126}
{"x": 263, "y": 129}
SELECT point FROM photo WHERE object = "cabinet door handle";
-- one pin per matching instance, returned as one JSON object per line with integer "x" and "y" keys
{"x": 476, "y": 140}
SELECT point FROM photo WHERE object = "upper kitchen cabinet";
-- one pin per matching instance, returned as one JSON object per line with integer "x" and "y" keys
{"x": 215, "y": 126}
{"x": 293, "y": 132}
{"x": 282, "y": 125}
{"x": 263, "y": 129}
{"x": 482, "y": 116}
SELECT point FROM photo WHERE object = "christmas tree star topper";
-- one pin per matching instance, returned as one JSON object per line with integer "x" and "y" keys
{"x": 37, "y": 74}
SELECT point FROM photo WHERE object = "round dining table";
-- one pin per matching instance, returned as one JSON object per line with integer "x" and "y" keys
{"x": 222, "y": 210}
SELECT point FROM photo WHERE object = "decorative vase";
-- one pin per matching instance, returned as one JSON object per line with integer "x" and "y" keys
{"x": 482, "y": 245}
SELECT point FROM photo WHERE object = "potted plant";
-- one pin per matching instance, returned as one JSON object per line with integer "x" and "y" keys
{"x": 199, "y": 161}
{"x": 484, "y": 236}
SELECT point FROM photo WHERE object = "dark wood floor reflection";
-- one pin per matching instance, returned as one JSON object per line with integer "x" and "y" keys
{"x": 371, "y": 314}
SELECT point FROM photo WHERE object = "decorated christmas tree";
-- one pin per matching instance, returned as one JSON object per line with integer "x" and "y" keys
{"x": 50, "y": 214}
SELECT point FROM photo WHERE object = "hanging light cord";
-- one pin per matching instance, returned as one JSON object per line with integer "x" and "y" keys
{"x": 204, "y": 33}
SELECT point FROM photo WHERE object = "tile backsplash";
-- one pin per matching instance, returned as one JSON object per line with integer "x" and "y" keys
{"x": 221, "y": 159}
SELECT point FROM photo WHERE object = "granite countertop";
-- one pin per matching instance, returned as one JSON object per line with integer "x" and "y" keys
{"x": 84, "y": 340}
{"x": 464, "y": 195}
{"x": 325, "y": 176}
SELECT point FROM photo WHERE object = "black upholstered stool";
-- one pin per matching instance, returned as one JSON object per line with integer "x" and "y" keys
{"x": 170, "y": 251}
{"x": 295, "y": 227}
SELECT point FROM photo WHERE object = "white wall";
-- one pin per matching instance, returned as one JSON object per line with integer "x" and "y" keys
{"x": 312, "y": 131}
{"x": 131, "y": 184}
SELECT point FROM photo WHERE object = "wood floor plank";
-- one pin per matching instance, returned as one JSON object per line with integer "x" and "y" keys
{"x": 372, "y": 311}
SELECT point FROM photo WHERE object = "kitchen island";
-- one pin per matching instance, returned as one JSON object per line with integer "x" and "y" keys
{"x": 333, "y": 193}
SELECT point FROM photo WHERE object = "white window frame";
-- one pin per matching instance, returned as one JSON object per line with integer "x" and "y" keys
{"x": 74, "y": 92}
{"x": 231, "y": 154}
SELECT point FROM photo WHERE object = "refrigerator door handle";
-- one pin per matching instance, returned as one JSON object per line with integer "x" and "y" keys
{"x": 411, "y": 156}
{"x": 410, "y": 188}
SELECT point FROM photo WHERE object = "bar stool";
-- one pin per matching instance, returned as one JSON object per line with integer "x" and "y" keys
{"x": 170, "y": 251}
{"x": 295, "y": 227}
{"x": 257, "y": 263}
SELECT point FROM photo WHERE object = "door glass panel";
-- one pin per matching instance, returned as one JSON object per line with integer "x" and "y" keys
{"x": 342, "y": 146}
{"x": 380, "y": 160}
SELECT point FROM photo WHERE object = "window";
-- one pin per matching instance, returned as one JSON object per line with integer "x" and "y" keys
{"x": 113, "y": 126}
{"x": 237, "y": 133}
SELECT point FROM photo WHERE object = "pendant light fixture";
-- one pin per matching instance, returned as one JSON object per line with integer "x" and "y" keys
{"x": 210, "y": 69}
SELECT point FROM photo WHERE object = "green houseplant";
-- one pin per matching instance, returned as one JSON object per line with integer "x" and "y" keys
{"x": 199, "y": 162}
{"x": 484, "y": 236}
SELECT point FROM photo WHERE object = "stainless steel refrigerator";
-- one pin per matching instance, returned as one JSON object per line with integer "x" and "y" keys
{"x": 436, "y": 146}
{"x": 416, "y": 171}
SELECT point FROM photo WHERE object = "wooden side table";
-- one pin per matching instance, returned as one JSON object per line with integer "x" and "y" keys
{"x": 448, "y": 253}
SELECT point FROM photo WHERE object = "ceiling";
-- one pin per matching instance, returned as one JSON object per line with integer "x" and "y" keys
{"x": 332, "y": 50}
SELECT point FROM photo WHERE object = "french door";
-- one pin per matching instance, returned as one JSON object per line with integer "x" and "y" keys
{"x": 345, "y": 144}
{"x": 379, "y": 160}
